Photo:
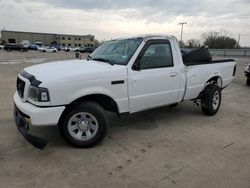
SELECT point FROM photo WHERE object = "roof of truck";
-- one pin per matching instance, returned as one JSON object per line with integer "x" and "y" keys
{"x": 148, "y": 36}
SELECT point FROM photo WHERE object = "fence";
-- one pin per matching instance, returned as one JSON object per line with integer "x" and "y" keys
{"x": 231, "y": 52}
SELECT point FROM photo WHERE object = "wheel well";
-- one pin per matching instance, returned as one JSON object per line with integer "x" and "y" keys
{"x": 105, "y": 101}
{"x": 214, "y": 80}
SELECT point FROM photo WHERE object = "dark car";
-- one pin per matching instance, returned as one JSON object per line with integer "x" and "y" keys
{"x": 33, "y": 47}
{"x": 247, "y": 73}
{"x": 16, "y": 47}
{"x": 86, "y": 49}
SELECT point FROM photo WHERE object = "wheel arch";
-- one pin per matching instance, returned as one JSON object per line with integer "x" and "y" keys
{"x": 107, "y": 102}
{"x": 214, "y": 79}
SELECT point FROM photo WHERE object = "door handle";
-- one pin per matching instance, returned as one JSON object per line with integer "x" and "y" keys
{"x": 173, "y": 74}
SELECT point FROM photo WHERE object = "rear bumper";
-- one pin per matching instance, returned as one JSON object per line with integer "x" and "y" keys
{"x": 39, "y": 116}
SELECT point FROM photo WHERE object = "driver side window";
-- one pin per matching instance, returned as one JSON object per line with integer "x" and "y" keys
{"x": 157, "y": 55}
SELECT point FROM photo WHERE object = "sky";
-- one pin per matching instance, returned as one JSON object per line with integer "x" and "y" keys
{"x": 110, "y": 19}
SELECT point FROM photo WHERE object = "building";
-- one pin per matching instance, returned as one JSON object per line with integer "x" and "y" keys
{"x": 48, "y": 38}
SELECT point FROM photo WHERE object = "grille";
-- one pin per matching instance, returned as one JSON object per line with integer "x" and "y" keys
{"x": 20, "y": 84}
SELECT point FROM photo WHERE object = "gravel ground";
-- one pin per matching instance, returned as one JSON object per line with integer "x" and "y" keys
{"x": 16, "y": 57}
{"x": 163, "y": 147}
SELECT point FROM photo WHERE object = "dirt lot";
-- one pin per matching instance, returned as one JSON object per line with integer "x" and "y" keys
{"x": 164, "y": 147}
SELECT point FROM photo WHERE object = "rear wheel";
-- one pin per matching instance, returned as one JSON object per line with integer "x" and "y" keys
{"x": 211, "y": 100}
{"x": 84, "y": 125}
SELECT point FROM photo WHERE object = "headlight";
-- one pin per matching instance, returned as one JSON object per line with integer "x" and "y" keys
{"x": 39, "y": 94}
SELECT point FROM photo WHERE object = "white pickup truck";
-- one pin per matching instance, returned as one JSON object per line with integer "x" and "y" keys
{"x": 122, "y": 76}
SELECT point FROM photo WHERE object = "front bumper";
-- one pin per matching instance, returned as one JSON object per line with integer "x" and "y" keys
{"x": 22, "y": 124}
{"x": 26, "y": 114}
{"x": 39, "y": 116}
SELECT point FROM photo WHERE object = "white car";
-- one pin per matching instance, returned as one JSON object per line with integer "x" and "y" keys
{"x": 71, "y": 49}
{"x": 48, "y": 49}
{"x": 122, "y": 76}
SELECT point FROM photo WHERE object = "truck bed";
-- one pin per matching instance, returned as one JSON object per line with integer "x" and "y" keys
{"x": 208, "y": 62}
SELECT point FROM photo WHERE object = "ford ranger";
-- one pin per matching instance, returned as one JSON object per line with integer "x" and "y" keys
{"x": 122, "y": 76}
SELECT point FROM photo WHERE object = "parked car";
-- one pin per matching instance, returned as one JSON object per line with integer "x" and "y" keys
{"x": 121, "y": 76}
{"x": 16, "y": 47}
{"x": 59, "y": 48}
{"x": 247, "y": 73}
{"x": 48, "y": 49}
{"x": 25, "y": 43}
{"x": 33, "y": 47}
{"x": 86, "y": 49}
{"x": 71, "y": 49}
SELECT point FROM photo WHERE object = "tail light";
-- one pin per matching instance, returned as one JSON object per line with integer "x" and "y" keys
{"x": 234, "y": 72}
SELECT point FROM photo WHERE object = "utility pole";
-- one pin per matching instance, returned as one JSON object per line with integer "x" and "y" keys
{"x": 238, "y": 45}
{"x": 182, "y": 24}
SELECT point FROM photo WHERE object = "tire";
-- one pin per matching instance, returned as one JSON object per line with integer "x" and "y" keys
{"x": 44, "y": 51}
{"x": 77, "y": 119}
{"x": 54, "y": 51}
{"x": 211, "y": 100}
{"x": 248, "y": 81}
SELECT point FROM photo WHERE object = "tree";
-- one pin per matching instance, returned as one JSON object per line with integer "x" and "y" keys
{"x": 193, "y": 43}
{"x": 218, "y": 40}
{"x": 181, "y": 44}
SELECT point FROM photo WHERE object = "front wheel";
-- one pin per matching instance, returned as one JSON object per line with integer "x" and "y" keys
{"x": 211, "y": 100}
{"x": 84, "y": 125}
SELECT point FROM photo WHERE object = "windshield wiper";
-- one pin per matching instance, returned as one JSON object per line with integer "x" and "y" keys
{"x": 89, "y": 57}
{"x": 103, "y": 60}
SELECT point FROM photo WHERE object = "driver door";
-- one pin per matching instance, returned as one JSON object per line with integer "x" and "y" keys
{"x": 154, "y": 80}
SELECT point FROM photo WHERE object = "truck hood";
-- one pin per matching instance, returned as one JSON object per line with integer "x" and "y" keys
{"x": 75, "y": 70}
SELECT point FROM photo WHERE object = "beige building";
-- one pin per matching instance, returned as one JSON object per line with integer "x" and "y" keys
{"x": 48, "y": 38}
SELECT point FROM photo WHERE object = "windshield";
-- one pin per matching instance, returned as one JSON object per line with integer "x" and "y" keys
{"x": 117, "y": 52}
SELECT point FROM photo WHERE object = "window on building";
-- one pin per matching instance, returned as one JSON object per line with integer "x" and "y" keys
{"x": 79, "y": 45}
{"x": 63, "y": 44}
{"x": 79, "y": 38}
{"x": 91, "y": 39}
{"x": 11, "y": 40}
{"x": 75, "y": 38}
{"x": 75, "y": 44}
{"x": 69, "y": 44}
{"x": 69, "y": 38}
{"x": 63, "y": 38}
